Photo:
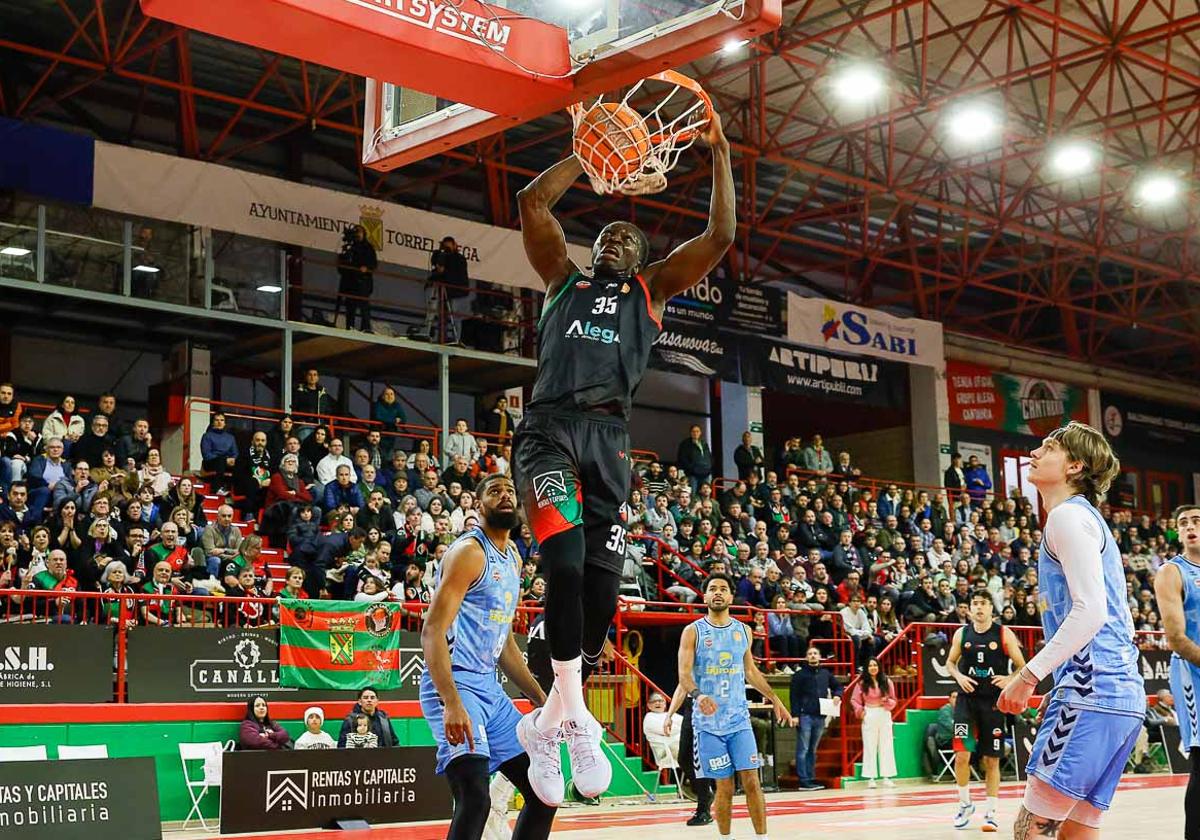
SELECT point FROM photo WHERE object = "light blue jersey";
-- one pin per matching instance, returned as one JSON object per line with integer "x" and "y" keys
{"x": 720, "y": 673}
{"x": 1103, "y": 675}
{"x": 481, "y": 628}
{"x": 1185, "y": 677}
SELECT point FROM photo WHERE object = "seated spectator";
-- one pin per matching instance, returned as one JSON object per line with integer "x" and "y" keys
{"x": 131, "y": 550}
{"x": 18, "y": 510}
{"x": 378, "y": 721}
{"x": 784, "y": 640}
{"x": 31, "y": 558}
{"x": 78, "y": 486}
{"x": 377, "y": 514}
{"x": 314, "y": 449}
{"x": 97, "y": 549}
{"x": 183, "y": 565}
{"x": 45, "y": 471}
{"x": 858, "y": 627}
{"x": 277, "y": 437}
{"x": 459, "y": 471}
{"x": 244, "y": 613}
{"x": 218, "y": 452}
{"x": 66, "y": 526}
{"x": 117, "y": 611}
{"x": 922, "y": 603}
{"x": 303, "y": 533}
{"x": 220, "y": 542}
{"x": 18, "y": 448}
{"x": 183, "y": 494}
{"x": 89, "y": 447}
{"x": 286, "y": 494}
{"x": 362, "y": 737}
{"x": 293, "y": 584}
{"x": 536, "y": 596}
{"x": 343, "y": 492}
{"x": 258, "y": 731}
{"x": 134, "y": 448}
{"x": 654, "y": 725}
{"x": 313, "y": 737}
{"x": 939, "y": 735}
{"x": 11, "y": 411}
{"x": 161, "y": 613}
{"x": 56, "y": 577}
{"x": 843, "y": 469}
{"x": 64, "y": 424}
{"x": 252, "y": 474}
{"x": 154, "y": 474}
{"x": 750, "y": 590}
{"x": 116, "y": 484}
{"x": 485, "y": 464}
{"x": 327, "y": 468}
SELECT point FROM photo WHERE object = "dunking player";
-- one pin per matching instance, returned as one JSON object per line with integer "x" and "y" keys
{"x": 979, "y": 662}
{"x": 714, "y": 666}
{"x": 467, "y": 633}
{"x": 1096, "y": 708}
{"x": 1177, "y": 587}
{"x": 571, "y": 454}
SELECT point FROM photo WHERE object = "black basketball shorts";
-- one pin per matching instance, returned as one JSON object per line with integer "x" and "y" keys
{"x": 979, "y": 716}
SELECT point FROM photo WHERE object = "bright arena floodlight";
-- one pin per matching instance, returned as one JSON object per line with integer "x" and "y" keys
{"x": 270, "y": 288}
{"x": 973, "y": 122}
{"x": 1073, "y": 158}
{"x": 146, "y": 269}
{"x": 1157, "y": 188}
{"x": 858, "y": 83}
{"x": 733, "y": 46}
{"x": 14, "y": 251}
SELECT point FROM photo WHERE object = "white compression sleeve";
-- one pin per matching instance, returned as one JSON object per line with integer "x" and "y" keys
{"x": 1073, "y": 536}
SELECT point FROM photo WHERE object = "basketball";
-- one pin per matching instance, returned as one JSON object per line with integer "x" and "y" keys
{"x": 611, "y": 141}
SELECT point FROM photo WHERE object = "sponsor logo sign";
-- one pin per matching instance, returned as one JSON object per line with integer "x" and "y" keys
{"x": 81, "y": 799}
{"x": 824, "y": 375}
{"x": 277, "y": 790}
{"x": 816, "y": 322}
{"x": 1030, "y": 405}
{"x": 50, "y": 663}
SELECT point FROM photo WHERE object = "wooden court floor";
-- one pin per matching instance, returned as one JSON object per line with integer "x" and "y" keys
{"x": 1148, "y": 807}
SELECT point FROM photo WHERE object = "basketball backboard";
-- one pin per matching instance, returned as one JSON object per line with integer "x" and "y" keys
{"x": 612, "y": 43}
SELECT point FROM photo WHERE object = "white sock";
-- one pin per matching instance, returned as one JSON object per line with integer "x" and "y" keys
{"x": 568, "y": 679}
{"x": 964, "y": 795}
{"x": 551, "y": 715}
{"x": 993, "y": 804}
{"x": 725, "y": 836}
{"x": 760, "y": 837}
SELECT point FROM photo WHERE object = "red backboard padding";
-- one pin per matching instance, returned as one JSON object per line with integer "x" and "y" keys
{"x": 430, "y": 45}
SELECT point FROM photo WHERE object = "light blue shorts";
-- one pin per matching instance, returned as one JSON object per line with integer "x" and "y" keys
{"x": 493, "y": 716}
{"x": 718, "y": 756}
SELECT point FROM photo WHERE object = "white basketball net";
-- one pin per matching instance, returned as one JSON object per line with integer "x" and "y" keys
{"x": 635, "y": 152}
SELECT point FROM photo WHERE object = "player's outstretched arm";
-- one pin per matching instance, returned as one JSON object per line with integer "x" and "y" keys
{"x": 461, "y": 567}
{"x": 759, "y": 682}
{"x": 1168, "y": 589}
{"x": 512, "y": 663}
{"x": 545, "y": 244}
{"x": 690, "y": 262}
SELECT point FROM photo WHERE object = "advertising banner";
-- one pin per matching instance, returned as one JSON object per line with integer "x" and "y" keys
{"x": 79, "y": 799}
{"x": 688, "y": 349}
{"x": 273, "y": 790}
{"x": 1028, "y": 405}
{"x": 1155, "y": 665}
{"x": 841, "y": 327}
{"x": 209, "y": 195}
{"x": 720, "y": 301}
{"x": 822, "y": 375}
{"x": 1133, "y": 422}
{"x": 56, "y": 663}
{"x": 212, "y": 665}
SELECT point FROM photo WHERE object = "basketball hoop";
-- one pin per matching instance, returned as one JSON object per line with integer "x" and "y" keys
{"x": 623, "y": 151}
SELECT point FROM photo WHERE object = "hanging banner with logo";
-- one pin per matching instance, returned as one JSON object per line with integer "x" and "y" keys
{"x": 79, "y": 799}
{"x": 683, "y": 348}
{"x": 1132, "y": 422}
{"x": 55, "y": 663}
{"x": 339, "y": 644}
{"x": 841, "y": 327}
{"x": 275, "y": 790}
{"x": 1028, "y": 405}
{"x": 209, "y": 195}
{"x": 831, "y": 376}
{"x": 719, "y": 301}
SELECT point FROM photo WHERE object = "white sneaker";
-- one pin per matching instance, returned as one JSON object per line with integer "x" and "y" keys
{"x": 590, "y": 771}
{"x": 990, "y": 825}
{"x": 501, "y": 791}
{"x": 888, "y": 783}
{"x": 965, "y": 811}
{"x": 871, "y": 784}
{"x": 545, "y": 760}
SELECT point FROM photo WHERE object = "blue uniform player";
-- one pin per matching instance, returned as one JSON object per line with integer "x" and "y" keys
{"x": 1095, "y": 710}
{"x": 1177, "y": 587}
{"x": 714, "y": 666}
{"x": 467, "y": 634}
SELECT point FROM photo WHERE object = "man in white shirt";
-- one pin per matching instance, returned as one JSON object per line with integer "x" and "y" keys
{"x": 327, "y": 466}
{"x": 858, "y": 627}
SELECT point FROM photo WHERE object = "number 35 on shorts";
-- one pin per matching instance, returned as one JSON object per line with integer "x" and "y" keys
{"x": 616, "y": 539}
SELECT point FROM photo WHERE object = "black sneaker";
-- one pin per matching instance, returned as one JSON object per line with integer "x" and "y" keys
{"x": 700, "y": 819}
{"x": 812, "y": 786}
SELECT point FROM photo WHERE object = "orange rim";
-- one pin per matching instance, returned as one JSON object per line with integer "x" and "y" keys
{"x": 673, "y": 77}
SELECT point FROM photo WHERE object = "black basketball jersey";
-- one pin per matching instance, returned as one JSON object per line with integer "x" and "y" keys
{"x": 594, "y": 340}
{"x": 983, "y": 657}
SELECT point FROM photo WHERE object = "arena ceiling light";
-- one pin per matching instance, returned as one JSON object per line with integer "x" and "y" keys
{"x": 733, "y": 46}
{"x": 14, "y": 251}
{"x": 857, "y": 84}
{"x": 1157, "y": 188}
{"x": 1073, "y": 157}
{"x": 973, "y": 123}
{"x": 270, "y": 288}
{"x": 146, "y": 269}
